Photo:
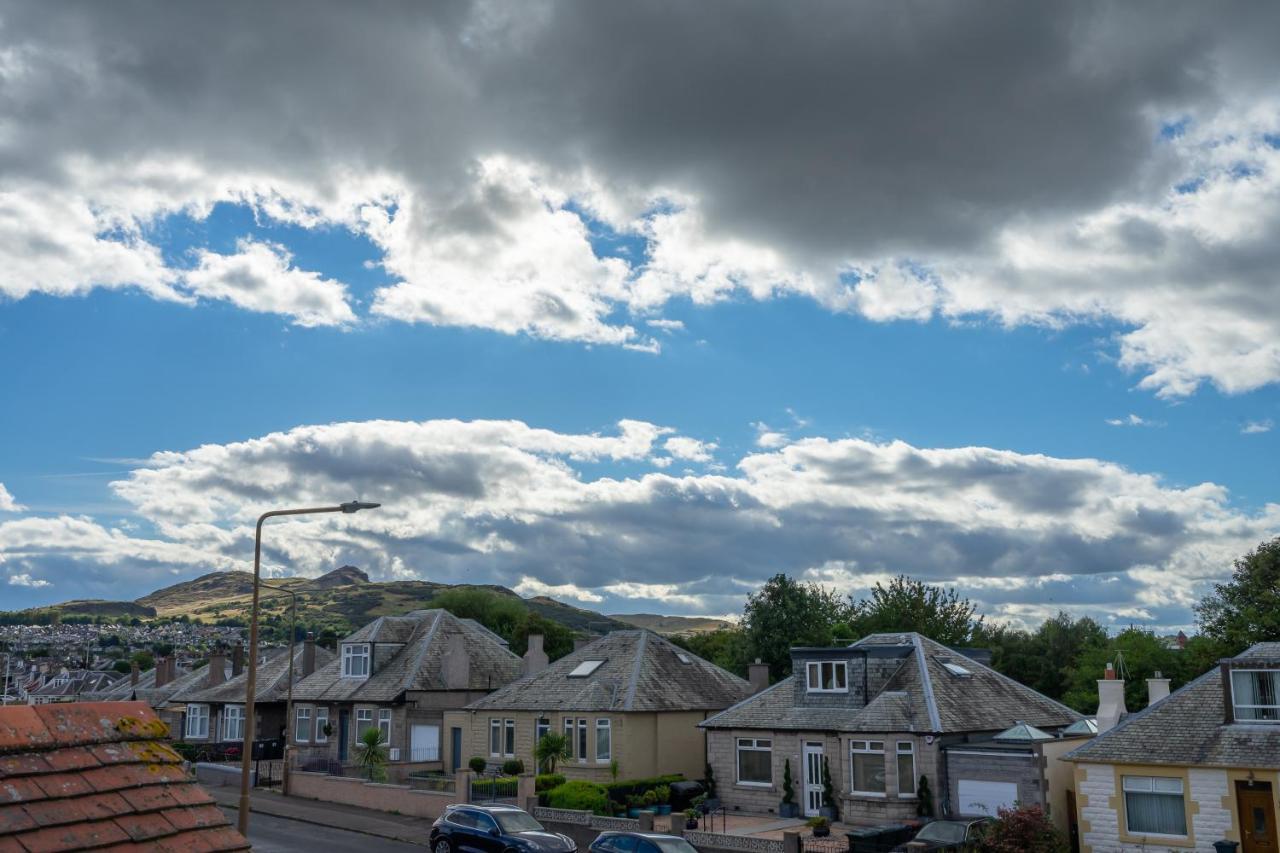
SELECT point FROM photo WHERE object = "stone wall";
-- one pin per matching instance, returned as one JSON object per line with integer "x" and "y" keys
{"x": 1100, "y": 803}
{"x": 370, "y": 795}
{"x": 1210, "y": 791}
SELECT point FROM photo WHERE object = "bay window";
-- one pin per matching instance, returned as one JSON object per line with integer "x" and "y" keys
{"x": 302, "y": 729}
{"x": 495, "y": 738}
{"x": 233, "y": 722}
{"x": 198, "y": 721}
{"x": 906, "y": 769}
{"x": 582, "y": 740}
{"x": 604, "y": 741}
{"x": 364, "y": 721}
{"x": 384, "y": 724}
{"x": 322, "y": 720}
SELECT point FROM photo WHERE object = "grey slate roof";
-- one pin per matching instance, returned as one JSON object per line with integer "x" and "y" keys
{"x": 419, "y": 641}
{"x": 921, "y": 696}
{"x": 145, "y": 690}
{"x": 78, "y": 682}
{"x": 641, "y": 671}
{"x": 1187, "y": 728}
{"x": 272, "y": 684}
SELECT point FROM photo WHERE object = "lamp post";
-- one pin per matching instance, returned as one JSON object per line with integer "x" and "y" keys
{"x": 288, "y": 704}
{"x": 242, "y": 817}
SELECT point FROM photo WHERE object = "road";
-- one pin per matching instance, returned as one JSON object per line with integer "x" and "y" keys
{"x": 278, "y": 835}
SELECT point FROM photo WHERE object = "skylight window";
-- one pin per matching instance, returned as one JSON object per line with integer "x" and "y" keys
{"x": 585, "y": 668}
{"x": 685, "y": 659}
{"x": 957, "y": 669}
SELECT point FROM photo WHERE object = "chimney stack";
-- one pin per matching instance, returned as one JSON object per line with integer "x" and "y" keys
{"x": 133, "y": 673}
{"x": 1110, "y": 700}
{"x": 758, "y": 675}
{"x": 1157, "y": 688}
{"x": 237, "y": 660}
{"x": 217, "y": 667}
{"x": 162, "y": 671}
{"x": 308, "y": 654}
{"x": 455, "y": 665}
{"x": 535, "y": 659}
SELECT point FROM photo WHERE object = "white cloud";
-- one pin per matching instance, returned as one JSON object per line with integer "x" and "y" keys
{"x": 7, "y": 502}
{"x": 27, "y": 580}
{"x": 503, "y": 502}
{"x": 261, "y": 277}
{"x": 690, "y": 449}
{"x": 1256, "y": 427}
{"x": 1133, "y": 421}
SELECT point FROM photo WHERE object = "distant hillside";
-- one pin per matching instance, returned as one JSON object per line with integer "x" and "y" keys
{"x": 90, "y": 607}
{"x": 343, "y": 599}
{"x": 673, "y": 626}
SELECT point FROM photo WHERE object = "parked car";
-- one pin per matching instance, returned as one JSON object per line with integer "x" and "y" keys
{"x": 494, "y": 829}
{"x": 950, "y": 835}
{"x": 640, "y": 842}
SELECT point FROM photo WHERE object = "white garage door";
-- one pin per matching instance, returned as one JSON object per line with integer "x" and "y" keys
{"x": 424, "y": 743}
{"x": 984, "y": 798}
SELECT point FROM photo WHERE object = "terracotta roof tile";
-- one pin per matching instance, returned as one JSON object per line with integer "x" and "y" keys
{"x": 96, "y": 775}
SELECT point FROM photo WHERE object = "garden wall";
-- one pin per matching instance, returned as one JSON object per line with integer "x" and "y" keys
{"x": 369, "y": 795}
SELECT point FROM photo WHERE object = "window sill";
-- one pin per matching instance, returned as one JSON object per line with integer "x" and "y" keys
{"x": 865, "y": 795}
{"x": 758, "y": 786}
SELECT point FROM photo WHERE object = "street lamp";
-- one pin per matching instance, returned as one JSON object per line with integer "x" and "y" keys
{"x": 288, "y": 705}
{"x": 242, "y": 818}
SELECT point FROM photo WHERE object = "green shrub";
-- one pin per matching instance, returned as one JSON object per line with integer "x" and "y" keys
{"x": 547, "y": 781}
{"x": 490, "y": 785}
{"x": 585, "y": 796}
{"x": 619, "y": 791}
{"x": 512, "y": 767}
{"x": 477, "y": 764}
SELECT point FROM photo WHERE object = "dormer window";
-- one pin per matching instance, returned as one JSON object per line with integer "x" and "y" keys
{"x": 585, "y": 668}
{"x": 828, "y": 676}
{"x": 355, "y": 660}
{"x": 1255, "y": 694}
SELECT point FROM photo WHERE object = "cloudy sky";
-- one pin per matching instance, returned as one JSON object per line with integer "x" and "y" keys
{"x": 638, "y": 304}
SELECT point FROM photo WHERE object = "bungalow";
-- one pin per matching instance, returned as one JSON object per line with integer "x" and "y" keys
{"x": 155, "y": 687}
{"x": 70, "y": 684}
{"x": 399, "y": 674}
{"x": 1198, "y": 766}
{"x": 878, "y": 717}
{"x": 629, "y": 702}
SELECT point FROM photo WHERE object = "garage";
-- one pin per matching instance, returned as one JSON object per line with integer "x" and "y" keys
{"x": 977, "y": 797}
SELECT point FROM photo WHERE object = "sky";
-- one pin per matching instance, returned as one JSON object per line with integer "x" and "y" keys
{"x": 637, "y": 305}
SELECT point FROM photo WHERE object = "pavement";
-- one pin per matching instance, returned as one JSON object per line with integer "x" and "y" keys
{"x": 280, "y": 835}
{"x": 407, "y": 832}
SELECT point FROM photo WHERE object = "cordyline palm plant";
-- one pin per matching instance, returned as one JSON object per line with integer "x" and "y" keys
{"x": 372, "y": 754}
{"x": 551, "y": 750}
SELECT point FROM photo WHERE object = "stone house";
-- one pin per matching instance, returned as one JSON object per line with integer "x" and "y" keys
{"x": 630, "y": 697}
{"x": 399, "y": 674}
{"x": 1198, "y": 766}
{"x": 70, "y": 685}
{"x": 154, "y": 686}
{"x": 880, "y": 714}
{"x": 213, "y": 707}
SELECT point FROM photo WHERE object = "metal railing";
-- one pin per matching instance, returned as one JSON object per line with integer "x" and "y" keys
{"x": 490, "y": 788}
{"x": 422, "y": 753}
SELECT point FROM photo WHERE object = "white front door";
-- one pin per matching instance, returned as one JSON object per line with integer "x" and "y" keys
{"x": 812, "y": 778}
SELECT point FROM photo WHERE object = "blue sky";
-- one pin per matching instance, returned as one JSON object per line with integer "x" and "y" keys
{"x": 642, "y": 369}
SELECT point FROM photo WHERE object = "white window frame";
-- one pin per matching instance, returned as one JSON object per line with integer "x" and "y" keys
{"x": 908, "y": 748}
{"x": 322, "y": 720}
{"x": 541, "y": 728}
{"x": 495, "y": 737}
{"x": 1274, "y": 709}
{"x": 570, "y": 739}
{"x": 352, "y": 652}
{"x": 604, "y": 727}
{"x": 363, "y": 716}
{"x": 752, "y": 744}
{"x": 582, "y": 740}
{"x": 1152, "y": 782}
{"x": 866, "y": 747}
{"x": 228, "y": 717}
{"x": 198, "y": 713}
{"x": 302, "y": 724}
{"x": 815, "y": 682}
{"x": 384, "y": 724}
{"x": 508, "y": 738}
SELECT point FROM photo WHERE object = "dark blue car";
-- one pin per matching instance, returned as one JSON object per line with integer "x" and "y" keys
{"x": 494, "y": 829}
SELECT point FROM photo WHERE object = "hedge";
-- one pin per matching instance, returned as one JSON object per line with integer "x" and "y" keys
{"x": 586, "y": 796}
{"x": 619, "y": 791}
{"x": 488, "y": 784}
{"x": 547, "y": 781}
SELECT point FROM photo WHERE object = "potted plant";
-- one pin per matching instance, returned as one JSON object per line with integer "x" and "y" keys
{"x": 327, "y": 728}
{"x": 690, "y": 818}
{"x": 650, "y": 800}
{"x": 828, "y": 808}
{"x": 820, "y": 825}
{"x": 663, "y": 799}
{"x": 477, "y": 765}
{"x": 713, "y": 802}
{"x": 924, "y": 798}
{"x": 788, "y": 807}
{"x": 700, "y": 803}
{"x": 635, "y": 803}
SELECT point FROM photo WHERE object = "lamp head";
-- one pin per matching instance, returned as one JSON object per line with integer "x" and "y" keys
{"x": 356, "y": 506}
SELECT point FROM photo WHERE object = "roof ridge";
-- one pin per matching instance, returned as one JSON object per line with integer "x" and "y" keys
{"x": 926, "y": 683}
{"x": 635, "y": 670}
{"x": 422, "y": 652}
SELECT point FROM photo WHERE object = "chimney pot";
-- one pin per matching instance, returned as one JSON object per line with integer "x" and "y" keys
{"x": 309, "y": 654}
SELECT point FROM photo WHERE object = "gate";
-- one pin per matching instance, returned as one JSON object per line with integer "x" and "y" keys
{"x": 492, "y": 789}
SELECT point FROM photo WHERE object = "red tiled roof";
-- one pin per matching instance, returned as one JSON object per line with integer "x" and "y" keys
{"x": 99, "y": 775}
